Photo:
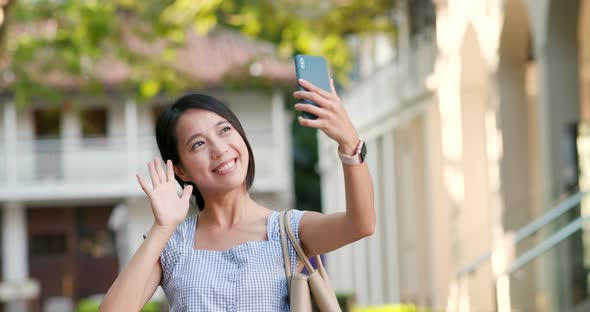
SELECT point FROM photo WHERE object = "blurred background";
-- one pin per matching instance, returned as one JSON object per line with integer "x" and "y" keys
{"x": 474, "y": 111}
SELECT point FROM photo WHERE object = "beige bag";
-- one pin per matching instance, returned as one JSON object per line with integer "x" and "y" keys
{"x": 300, "y": 285}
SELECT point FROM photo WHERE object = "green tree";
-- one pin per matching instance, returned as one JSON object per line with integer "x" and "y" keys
{"x": 41, "y": 37}
{"x": 72, "y": 36}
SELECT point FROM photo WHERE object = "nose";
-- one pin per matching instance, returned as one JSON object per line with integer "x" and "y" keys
{"x": 218, "y": 148}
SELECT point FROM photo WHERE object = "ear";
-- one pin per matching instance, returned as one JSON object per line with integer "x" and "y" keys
{"x": 180, "y": 172}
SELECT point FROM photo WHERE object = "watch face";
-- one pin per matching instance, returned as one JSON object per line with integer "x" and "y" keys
{"x": 363, "y": 151}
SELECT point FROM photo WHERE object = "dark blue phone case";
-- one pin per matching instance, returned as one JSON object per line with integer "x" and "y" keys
{"x": 315, "y": 70}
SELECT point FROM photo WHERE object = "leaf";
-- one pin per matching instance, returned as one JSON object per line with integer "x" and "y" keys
{"x": 71, "y": 36}
{"x": 149, "y": 89}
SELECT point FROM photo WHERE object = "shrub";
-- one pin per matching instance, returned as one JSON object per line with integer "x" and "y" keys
{"x": 390, "y": 308}
{"x": 91, "y": 305}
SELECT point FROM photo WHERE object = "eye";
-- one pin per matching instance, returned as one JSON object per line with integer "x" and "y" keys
{"x": 225, "y": 129}
{"x": 197, "y": 144}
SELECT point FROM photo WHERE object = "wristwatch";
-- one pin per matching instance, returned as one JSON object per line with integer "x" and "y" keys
{"x": 357, "y": 158}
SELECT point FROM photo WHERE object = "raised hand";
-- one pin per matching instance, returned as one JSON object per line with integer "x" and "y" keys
{"x": 332, "y": 117}
{"x": 169, "y": 209}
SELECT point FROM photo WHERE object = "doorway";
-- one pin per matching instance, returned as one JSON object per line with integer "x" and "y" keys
{"x": 71, "y": 251}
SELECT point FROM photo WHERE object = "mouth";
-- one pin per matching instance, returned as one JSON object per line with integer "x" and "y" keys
{"x": 225, "y": 167}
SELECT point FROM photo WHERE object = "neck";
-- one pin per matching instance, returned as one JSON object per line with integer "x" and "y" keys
{"x": 228, "y": 209}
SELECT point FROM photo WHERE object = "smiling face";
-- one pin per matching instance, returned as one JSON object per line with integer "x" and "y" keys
{"x": 212, "y": 153}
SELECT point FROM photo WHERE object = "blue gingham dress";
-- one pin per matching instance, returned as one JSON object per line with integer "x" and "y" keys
{"x": 246, "y": 277}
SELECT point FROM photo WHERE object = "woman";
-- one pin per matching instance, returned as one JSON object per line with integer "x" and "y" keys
{"x": 229, "y": 257}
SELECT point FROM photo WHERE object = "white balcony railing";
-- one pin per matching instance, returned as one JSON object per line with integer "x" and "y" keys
{"x": 75, "y": 161}
{"x": 399, "y": 82}
{"x": 372, "y": 97}
{"x": 104, "y": 167}
{"x": 418, "y": 65}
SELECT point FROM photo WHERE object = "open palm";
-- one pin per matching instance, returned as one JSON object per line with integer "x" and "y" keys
{"x": 168, "y": 207}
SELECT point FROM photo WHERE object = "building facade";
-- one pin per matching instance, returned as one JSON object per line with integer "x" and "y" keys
{"x": 72, "y": 210}
{"x": 469, "y": 131}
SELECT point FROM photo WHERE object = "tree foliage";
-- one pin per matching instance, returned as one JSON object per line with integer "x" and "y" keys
{"x": 40, "y": 37}
{"x": 72, "y": 36}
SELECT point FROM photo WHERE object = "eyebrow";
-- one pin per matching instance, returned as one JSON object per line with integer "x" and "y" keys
{"x": 192, "y": 137}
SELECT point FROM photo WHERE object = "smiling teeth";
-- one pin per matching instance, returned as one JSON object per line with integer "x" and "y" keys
{"x": 226, "y": 166}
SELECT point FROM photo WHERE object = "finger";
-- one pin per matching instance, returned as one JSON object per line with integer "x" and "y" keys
{"x": 314, "y": 97}
{"x": 160, "y": 170}
{"x": 332, "y": 88}
{"x": 153, "y": 174}
{"x": 144, "y": 187}
{"x": 312, "y": 109}
{"x": 315, "y": 89}
{"x": 311, "y": 123}
{"x": 187, "y": 192}
{"x": 170, "y": 170}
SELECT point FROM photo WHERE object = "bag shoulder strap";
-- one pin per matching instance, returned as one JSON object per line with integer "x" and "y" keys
{"x": 297, "y": 247}
{"x": 285, "y": 248}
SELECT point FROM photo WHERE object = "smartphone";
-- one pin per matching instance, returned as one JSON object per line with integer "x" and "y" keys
{"x": 315, "y": 70}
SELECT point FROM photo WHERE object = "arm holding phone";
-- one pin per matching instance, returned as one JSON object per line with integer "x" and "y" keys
{"x": 322, "y": 233}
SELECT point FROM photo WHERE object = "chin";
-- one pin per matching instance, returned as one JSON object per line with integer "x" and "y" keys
{"x": 232, "y": 183}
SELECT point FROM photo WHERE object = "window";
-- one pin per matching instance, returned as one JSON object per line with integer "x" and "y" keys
{"x": 422, "y": 15}
{"x": 47, "y": 123}
{"x": 48, "y": 244}
{"x": 96, "y": 243}
{"x": 94, "y": 122}
{"x": 47, "y": 143}
{"x": 94, "y": 238}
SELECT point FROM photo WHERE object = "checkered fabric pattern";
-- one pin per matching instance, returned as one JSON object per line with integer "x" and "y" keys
{"x": 247, "y": 277}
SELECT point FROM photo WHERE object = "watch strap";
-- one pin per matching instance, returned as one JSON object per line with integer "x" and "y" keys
{"x": 355, "y": 159}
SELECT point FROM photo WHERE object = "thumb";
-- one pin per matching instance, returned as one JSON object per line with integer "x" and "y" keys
{"x": 187, "y": 192}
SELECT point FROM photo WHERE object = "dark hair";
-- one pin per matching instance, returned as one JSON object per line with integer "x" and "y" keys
{"x": 168, "y": 142}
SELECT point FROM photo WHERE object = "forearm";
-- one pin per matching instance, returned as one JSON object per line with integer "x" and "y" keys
{"x": 324, "y": 233}
{"x": 126, "y": 293}
{"x": 360, "y": 207}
